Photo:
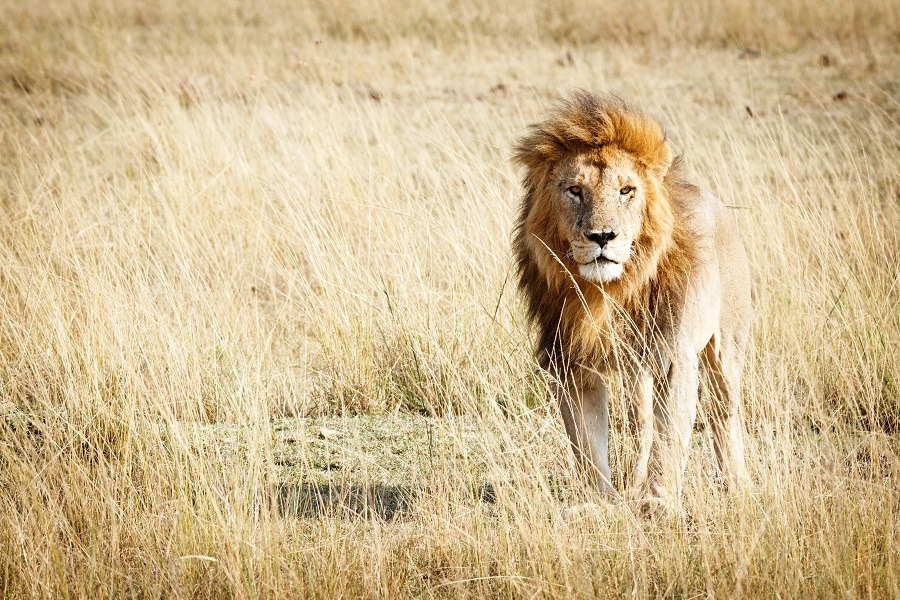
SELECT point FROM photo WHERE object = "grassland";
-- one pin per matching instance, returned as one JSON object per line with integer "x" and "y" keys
{"x": 256, "y": 255}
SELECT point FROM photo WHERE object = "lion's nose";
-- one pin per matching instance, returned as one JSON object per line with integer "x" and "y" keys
{"x": 601, "y": 237}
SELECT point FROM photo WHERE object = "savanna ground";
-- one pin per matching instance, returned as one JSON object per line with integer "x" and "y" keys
{"x": 259, "y": 335}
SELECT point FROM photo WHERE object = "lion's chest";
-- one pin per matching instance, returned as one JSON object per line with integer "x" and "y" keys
{"x": 610, "y": 337}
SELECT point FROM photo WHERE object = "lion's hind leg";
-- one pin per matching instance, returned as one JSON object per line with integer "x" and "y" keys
{"x": 723, "y": 362}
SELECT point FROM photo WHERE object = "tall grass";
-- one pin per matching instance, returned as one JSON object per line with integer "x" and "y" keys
{"x": 220, "y": 223}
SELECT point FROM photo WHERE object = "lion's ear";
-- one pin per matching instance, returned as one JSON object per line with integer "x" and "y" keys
{"x": 661, "y": 160}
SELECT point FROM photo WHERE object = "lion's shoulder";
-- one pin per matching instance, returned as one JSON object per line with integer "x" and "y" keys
{"x": 699, "y": 209}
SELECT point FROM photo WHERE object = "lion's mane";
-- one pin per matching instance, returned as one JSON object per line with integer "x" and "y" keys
{"x": 577, "y": 319}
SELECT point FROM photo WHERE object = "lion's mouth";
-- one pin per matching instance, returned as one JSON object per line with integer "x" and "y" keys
{"x": 602, "y": 260}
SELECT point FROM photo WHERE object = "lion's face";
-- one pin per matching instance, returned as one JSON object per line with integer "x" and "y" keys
{"x": 601, "y": 199}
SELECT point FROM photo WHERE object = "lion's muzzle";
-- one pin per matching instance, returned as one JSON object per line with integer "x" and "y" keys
{"x": 600, "y": 255}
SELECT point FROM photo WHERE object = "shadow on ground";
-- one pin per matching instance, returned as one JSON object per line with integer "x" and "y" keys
{"x": 387, "y": 502}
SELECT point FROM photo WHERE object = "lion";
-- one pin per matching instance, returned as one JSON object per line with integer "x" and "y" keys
{"x": 627, "y": 267}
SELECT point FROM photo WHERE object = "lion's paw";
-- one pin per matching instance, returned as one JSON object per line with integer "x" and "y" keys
{"x": 585, "y": 510}
{"x": 658, "y": 507}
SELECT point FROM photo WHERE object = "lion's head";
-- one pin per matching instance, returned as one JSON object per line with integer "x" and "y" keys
{"x": 600, "y": 199}
{"x": 597, "y": 219}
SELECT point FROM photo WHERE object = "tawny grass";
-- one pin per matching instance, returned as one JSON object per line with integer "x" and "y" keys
{"x": 221, "y": 220}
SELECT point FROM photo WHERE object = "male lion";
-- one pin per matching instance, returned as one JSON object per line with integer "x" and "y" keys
{"x": 626, "y": 266}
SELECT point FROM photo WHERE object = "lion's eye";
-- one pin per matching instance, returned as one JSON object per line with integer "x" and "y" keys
{"x": 575, "y": 190}
{"x": 626, "y": 190}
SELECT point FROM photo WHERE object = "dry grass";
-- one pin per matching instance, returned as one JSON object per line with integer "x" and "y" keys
{"x": 222, "y": 225}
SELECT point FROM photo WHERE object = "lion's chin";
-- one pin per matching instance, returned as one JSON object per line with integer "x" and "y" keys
{"x": 601, "y": 271}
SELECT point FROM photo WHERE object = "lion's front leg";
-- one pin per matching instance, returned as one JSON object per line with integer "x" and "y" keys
{"x": 638, "y": 382}
{"x": 584, "y": 404}
{"x": 675, "y": 410}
